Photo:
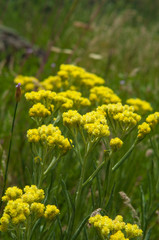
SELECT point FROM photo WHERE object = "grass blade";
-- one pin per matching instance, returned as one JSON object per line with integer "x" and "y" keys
{"x": 80, "y": 228}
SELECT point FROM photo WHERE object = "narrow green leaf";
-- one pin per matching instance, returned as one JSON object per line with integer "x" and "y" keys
{"x": 70, "y": 226}
{"x": 150, "y": 191}
{"x": 71, "y": 207}
{"x": 143, "y": 209}
{"x": 28, "y": 174}
{"x": 59, "y": 221}
{"x": 85, "y": 233}
{"x": 110, "y": 198}
{"x": 92, "y": 196}
{"x": 80, "y": 228}
{"x": 148, "y": 234}
{"x": 49, "y": 188}
{"x": 123, "y": 159}
{"x": 34, "y": 227}
{"x": 153, "y": 212}
{"x": 68, "y": 198}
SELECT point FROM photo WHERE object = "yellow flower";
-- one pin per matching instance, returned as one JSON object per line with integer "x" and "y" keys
{"x": 143, "y": 130}
{"x": 37, "y": 159}
{"x": 120, "y": 116}
{"x": 78, "y": 100}
{"x": 95, "y": 124}
{"x": 51, "y": 212}
{"x": 33, "y": 135}
{"x": 97, "y": 129}
{"x": 51, "y": 83}
{"x": 32, "y": 194}
{"x": 28, "y": 83}
{"x": 72, "y": 118}
{"x": 4, "y": 222}
{"x": 139, "y": 105}
{"x": 132, "y": 230}
{"x": 118, "y": 236}
{"x": 116, "y": 143}
{"x": 17, "y": 211}
{"x": 113, "y": 228}
{"x": 37, "y": 209}
{"x": 43, "y": 96}
{"x": 49, "y": 135}
{"x": 153, "y": 119}
{"x": 12, "y": 193}
{"x": 39, "y": 110}
{"x": 78, "y": 77}
{"x": 127, "y": 119}
{"x": 63, "y": 102}
{"x": 103, "y": 95}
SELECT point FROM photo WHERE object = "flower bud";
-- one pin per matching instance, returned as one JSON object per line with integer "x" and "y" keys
{"x": 18, "y": 92}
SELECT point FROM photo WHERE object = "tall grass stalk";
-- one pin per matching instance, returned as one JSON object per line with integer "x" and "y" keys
{"x": 18, "y": 93}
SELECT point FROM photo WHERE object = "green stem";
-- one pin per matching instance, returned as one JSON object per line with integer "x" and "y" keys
{"x": 79, "y": 190}
{"x": 28, "y": 228}
{"x": 93, "y": 175}
{"x": 53, "y": 162}
{"x": 77, "y": 149}
{"x": 154, "y": 148}
{"x": 83, "y": 137}
{"x": 57, "y": 119}
{"x": 123, "y": 159}
{"x": 111, "y": 123}
{"x": 97, "y": 170}
{"x": 9, "y": 151}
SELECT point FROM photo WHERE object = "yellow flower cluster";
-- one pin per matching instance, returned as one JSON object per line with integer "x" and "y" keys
{"x": 113, "y": 228}
{"x": 140, "y": 106}
{"x": 143, "y": 130}
{"x": 95, "y": 124}
{"x": 132, "y": 230}
{"x": 116, "y": 143}
{"x": 50, "y": 212}
{"x": 32, "y": 194}
{"x": 16, "y": 212}
{"x": 51, "y": 83}
{"x": 72, "y": 118}
{"x": 119, "y": 235}
{"x": 103, "y": 95}
{"x": 127, "y": 118}
{"x": 69, "y": 76}
{"x": 21, "y": 205}
{"x": 49, "y": 136}
{"x": 39, "y": 110}
{"x": 122, "y": 114}
{"x": 43, "y": 96}
{"x": 113, "y": 109}
{"x": 12, "y": 193}
{"x": 63, "y": 100}
{"x": 78, "y": 100}
{"x": 97, "y": 129}
{"x": 33, "y": 135}
{"x": 37, "y": 209}
{"x": 27, "y": 83}
{"x": 73, "y": 75}
{"x": 153, "y": 119}
{"x": 94, "y": 116}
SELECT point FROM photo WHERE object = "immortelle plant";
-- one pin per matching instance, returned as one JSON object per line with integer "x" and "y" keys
{"x": 79, "y": 122}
